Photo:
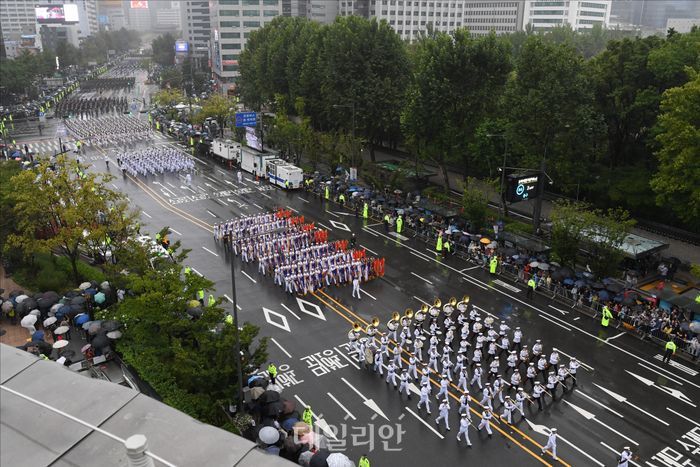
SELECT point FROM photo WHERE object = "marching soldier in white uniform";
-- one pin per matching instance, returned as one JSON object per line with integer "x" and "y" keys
{"x": 508, "y": 408}
{"x": 444, "y": 384}
{"x": 537, "y": 392}
{"x": 412, "y": 368}
{"x": 391, "y": 373}
{"x": 425, "y": 398}
{"x": 462, "y": 384}
{"x": 486, "y": 417}
{"x": 444, "y": 414}
{"x": 520, "y": 397}
{"x": 476, "y": 377}
{"x": 551, "y": 443}
{"x": 464, "y": 429}
{"x": 404, "y": 383}
{"x": 573, "y": 367}
{"x": 625, "y": 457}
{"x": 487, "y": 396}
{"x": 397, "y": 356}
{"x": 464, "y": 405}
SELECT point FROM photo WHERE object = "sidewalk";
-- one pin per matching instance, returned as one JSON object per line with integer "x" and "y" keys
{"x": 682, "y": 250}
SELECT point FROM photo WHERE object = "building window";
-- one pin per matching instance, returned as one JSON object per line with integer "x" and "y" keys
{"x": 231, "y": 46}
{"x": 230, "y": 24}
{"x": 251, "y": 13}
{"x": 251, "y": 24}
{"x": 230, "y": 35}
{"x": 228, "y": 12}
{"x": 592, "y": 13}
{"x": 593, "y": 5}
{"x": 271, "y": 2}
{"x": 549, "y": 4}
{"x": 229, "y": 57}
{"x": 270, "y": 13}
{"x": 251, "y": 2}
{"x": 230, "y": 68}
{"x": 547, "y": 12}
{"x": 590, "y": 21}
{"x": 228, "y": 2}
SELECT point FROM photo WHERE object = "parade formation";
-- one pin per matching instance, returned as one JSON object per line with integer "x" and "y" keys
{"x": 154, "y": 161}
{"x": 110, "y": 130}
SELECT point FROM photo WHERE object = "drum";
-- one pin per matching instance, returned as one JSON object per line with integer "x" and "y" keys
{"x": 369, "y": 356}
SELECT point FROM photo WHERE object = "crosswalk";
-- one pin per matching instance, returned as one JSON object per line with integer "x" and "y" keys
{"x": 52, "y": 146}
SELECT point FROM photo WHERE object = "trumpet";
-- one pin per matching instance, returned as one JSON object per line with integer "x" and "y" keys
{"x": 393, "y": 323}
{"x": 371, "y": 328}
{"x": 420, "y": 314}
{"x": 435, "y": 309}
{"x": 354, "y": 333}
{"x": 407, "y": 317}
{"x": 449, "y": 307}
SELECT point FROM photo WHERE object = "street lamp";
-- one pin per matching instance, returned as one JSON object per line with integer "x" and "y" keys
{"x": 350, "y": 106}
{"x": 503, "y": 170}
{"x": 237, "y": 334}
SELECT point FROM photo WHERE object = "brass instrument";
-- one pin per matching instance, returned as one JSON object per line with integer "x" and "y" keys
{"x": 393, "y": 323}
{"x": 463, "y": 304}
{"x": 420, "y": 314}
{"x": 354, "y": 333}
{"x": 449, "y": 307}
{"x": 407, "y": 317}
{"x": 371, "y": 328}
{"x": 435, "y": 309}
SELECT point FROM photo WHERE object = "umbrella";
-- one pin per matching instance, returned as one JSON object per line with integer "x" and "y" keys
{"x": 288, "y": 423}
{"x": 256, "y": 392}
{"x": 85, "y": 348}
{"x": 568, "y": 281}
{"x": 564, "y": 272}
{"x": 509, "y": 251}
{"x": 534, "y": 264}
{"x": 104, "y": 285}
{"x": 587, "y": 275}
{"x": 28, "y": 320}
{"x": 111, "y": 325}
{"x": 61, "y": 330}
{"x": 114, "y": 334}
{"x": 49, "y": 321}
{"x": 269, "y": 435}
{"x": 597, "y": 285}
{"x": 100, "y": 298}
{"x": 84, "y": 286}
{"x": 35, "y": 312}
{"x": 543, "y": 266}
{"x": 79, "y": 300}
{"x": 485, "y": 240}
{"x": 54, "y": 308}
{"x": 30, "y": 303}
{"x": 94, "y": 328}
{"x": 101, "y": 340}
{"x": 60, "y": 344}
{"x": 580, "y": 283}
{"x": 7, "y": 306}
{"x": 91, "y": 292}
{"x": 64, "y": 310}
{"x": 492, "y": 245}
{"x": 195, "y": 312}
{"x": 21, "y": 298}
{"x": 554, "y": 263}
{"x": 614, "y": 287}
{"x": 603, "y": 295}
{"x": 81, "y": 319}
{"x": 607, "y": 280}
{"x": 38, "y": 336}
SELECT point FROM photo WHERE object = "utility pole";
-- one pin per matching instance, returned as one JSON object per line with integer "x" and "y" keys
{"x": 537, "y": 212}
{"x": 502, "y": 193}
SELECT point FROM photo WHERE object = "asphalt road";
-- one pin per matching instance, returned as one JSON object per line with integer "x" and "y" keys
{"x": 625, "y": 395}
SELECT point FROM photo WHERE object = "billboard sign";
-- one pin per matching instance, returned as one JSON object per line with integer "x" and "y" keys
{"x": 182, "y": 46}
{"x": 251, "y": 139}
{"x": 246, "y": 119}
{"x": 522, "y": 187}
{"x": 139, "y": 4}
{"x": 57, "y": 14}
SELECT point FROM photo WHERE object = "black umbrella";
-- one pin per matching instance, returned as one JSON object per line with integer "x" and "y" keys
{"x": 597, "y": 285}
{"x": 614, "y": 287}
{"x": 111, "y": 325}
{"x": 100, "y": 341}
{"x": 564, "y": 272}
{"x": 79, "y": 300}
{"x": 30, "y": 303}
{"x": 195, "y": 312}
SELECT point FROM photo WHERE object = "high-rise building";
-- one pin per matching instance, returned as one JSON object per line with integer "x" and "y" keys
{"x": 320, "y": 10}
{"x": 653, "y": 14}
{"x": 17, "y": 17}
{"x": 196, "y": 26}
{"x": 165, "y": 16}
{"x": 232, "y": 21}
{"x": 411, "y": 18}
{"x": 579, "y": 14}
{"x": 87, "y": 11}
{"x": 111, "y": 15}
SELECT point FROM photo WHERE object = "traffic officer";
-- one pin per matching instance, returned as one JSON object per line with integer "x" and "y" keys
{"x": 670, "y": 349}
{"x": 272, "y": 371}
{"x": 531, "y": 285}
{"x": 464, "y": 429}
{"x": 493, "y": 265}
{"x": 364, "y": 462}
{"x": 341, "y": 199}
{"x": 365, "y": 210}
{"x": 606, "y": 316}
{"x": 211, "y": 301}
{"x": 307, "y": 417}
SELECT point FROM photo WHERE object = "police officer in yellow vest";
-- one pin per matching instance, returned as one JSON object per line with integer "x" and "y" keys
{"x": 200, "y": 296}
{"x": 364, "y": 462}
{"x": 670, "y": 349}
{"x": 307, "y": 417}
{"x": 272, "y": 371}
{"x": 531, "y": 285}
{"x": 438, "y": 245}
{"x": 399, "y": 224}
{"x": 365, "y": 211}
{"x": 212, "y": 301}
{"x": 493, "y": 265}
{"x": 229, "y": 319}
{"x": 188, "y": 270}
{"x": 387, "y": 220}
{"x": 328, "y": 193}
{"x": 607, "y": 316}
{"x": 446, "y": 247}
{"x": 341, "y": 200}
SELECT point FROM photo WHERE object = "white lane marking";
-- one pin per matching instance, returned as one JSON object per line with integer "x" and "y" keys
{"x": 600, "y": 404}
{"x": 373, "y": 252}
{"x": 324, "y": 226}
{"x": 342, "y": 354}
{"x": 368, "y": 294}
{"x": 368, "y": 402}
{"x": 618, "y": 454}
{"x": 170, "y": 185}
{"x": 507, "y": 286}
{"x": 266, "y": 196}
{"x": 370, "y": 232}
{"x": 146, "y": 214}
{"x": 221, "y": 200}
{"x": 660, "y": 374}
{"x": 347, "y": 412}
{"x": 469, "y": 269}
{"x": 332, "y": 213}
{"x": 399, "y": 236}
{"x": 543, "y": 430}
{"x": 207, "y": 249}
{"x": 419, "y": 256}
{"x": 577, "y": 318}
{"x": 282, "y": 323}
{"x": 213, "y": 180}
{"x": 418, "y": 417}
{"x": 585, "y": 366}
{"x": 258, "y": 206}
{"x": 290, "y": 311}
{"x": 563, "y": 312}
{"x": 589, "y": 416}
{"x": 292, "y": 209}
{"x": 423, "y": 278}
{"x": 683, "y": 416}
{"x": 175, "y": 231}
{"x": 554, "y": 322}
{"x": 675, "y": 364}
{"x": 200, "y": 275}
{"x": 246, "y": 274}
{"x": 221, "y": 172}
{"x": 211, "y": 213}
{"x": 615, "y": 337}
{"x": 421, "y": 300}
{"x": 672, "y": 392}
{"x": 624, "y": 400}
{"x": 281, "y": 348}
{"x": 114, "y": 186}
{"x": 322, "y": 424}
{"x": 304, "y": 200}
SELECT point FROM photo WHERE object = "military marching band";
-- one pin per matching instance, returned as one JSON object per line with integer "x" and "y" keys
{"x": 490, "y": 350}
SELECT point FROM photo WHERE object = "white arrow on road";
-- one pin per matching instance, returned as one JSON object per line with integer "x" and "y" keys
{"x": 624, "y": 400}
{"x": 543, "y": 430}
{"x": 209, "y": 185}
{"x": 321, "y": 423}
{"x": 413, "y": 388}
{"x": 368, "y": 402}
{"x": 673, "y": 392}
{"x": 589, "y": 416}
{"x": 230, "y": 183}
